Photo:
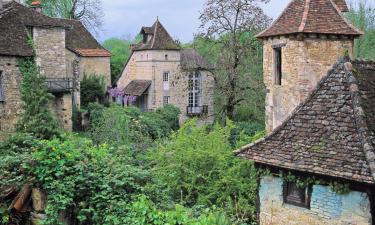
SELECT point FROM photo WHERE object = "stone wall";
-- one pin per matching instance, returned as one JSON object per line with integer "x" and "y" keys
{"x": 50, "y": 51}
{"x": 304, "y": 63}
{"x": 327, "y": 207}
{"x": 150, "y": 65}
{"x": 98, "y": 66}
{"x": 11, "y": 107}
{"x": 62, "y": 107}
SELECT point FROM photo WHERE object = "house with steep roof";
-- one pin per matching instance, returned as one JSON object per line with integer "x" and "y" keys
{"x": 63, "y": 51}
{"x": 319, "y": 153}
{"x": 160, "y": 72}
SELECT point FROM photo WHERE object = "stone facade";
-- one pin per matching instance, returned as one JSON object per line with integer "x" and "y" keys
{"x": 98, "y": 66}
{"x": 150, "y": 65}
{"x": 11, "y": 107}
{"x": 304, "y": 63}
{"x": 326, "y": 207}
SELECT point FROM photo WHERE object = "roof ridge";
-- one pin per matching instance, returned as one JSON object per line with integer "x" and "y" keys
{"x": 278, "y": 18}
{"x": 304, "y": 17}
{"x": 294, "y": 112}
{"x": 360, "y": 121}
{"x": 344, "y": 18}
{"x": 154, "y": 36}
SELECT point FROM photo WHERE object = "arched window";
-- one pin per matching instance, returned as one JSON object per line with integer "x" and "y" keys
{"x": 195, "y": 89}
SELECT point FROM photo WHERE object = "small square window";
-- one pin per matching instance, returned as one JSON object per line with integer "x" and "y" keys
{"x": 277, "y": 65}
{"x": 166, "y": 76}
{"x": 166, "y": 100}
{"x": 297, "y": 196}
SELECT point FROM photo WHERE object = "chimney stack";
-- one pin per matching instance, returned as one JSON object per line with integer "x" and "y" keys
{"x": 37, "y": 6}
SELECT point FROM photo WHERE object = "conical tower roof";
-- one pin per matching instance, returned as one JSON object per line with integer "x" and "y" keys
{"x": 314, "y": 17}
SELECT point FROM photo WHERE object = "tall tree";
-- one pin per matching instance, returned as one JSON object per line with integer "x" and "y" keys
{"x": 231, "y": 24}
{"x": 362, "y": 14}
{"x": 89, "y": 12}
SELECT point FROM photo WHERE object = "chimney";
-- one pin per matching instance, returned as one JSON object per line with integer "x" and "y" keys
{"x": 37, "y": 6}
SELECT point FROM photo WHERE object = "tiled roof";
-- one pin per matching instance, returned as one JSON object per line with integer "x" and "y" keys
{"x": 15, "y": 17}
{"x": 331, "y": 133}
{"x": 192, "y": 60}
{"x": 341, "y": 4}
{"x": 137, "y": 87}
{"x": 312, "y": 16}
{"x": 161, "y": 40}
{"x": 92, "y": 52}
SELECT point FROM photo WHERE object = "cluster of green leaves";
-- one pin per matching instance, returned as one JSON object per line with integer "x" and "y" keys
{"x": 362, "y": 15}
{"x": 126, "y": 126}
{"x": 92, "y": 89}
{"x": 196, "y": 168}
{"x": 36, "y": 117}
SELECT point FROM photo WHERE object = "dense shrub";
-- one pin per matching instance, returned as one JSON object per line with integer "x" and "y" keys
{"x": 36, "y": 117}
{"x": 197, "y": 168}
{"x": 92, "y": 89}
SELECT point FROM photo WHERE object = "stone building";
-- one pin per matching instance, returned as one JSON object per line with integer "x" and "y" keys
{"x": 159, "y": 72}
{"x": 63, "y": 49}
{"x": 321, "y": 124}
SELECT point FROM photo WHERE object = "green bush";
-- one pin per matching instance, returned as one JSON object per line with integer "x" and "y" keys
{"x": 197, "y": 168}
{"x": 36, "y": 117}
{"x": 92, "y": 89}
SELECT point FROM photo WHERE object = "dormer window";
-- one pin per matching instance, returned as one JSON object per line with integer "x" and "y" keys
{"x": 145, "y": 38}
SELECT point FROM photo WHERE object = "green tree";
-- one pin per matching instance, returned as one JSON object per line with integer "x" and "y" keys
{"x": 362, "y": 15}
{"x": 92, "y": 89}
{"x": 231, "y": 24}
{"x": 36, "y": 117}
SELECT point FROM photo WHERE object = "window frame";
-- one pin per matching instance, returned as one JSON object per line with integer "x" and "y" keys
{"x": 278, "y": 66}
{"x": 166, "y": 76}
{"x": 2, "y": 92}
{"x": 304, "y": 202}
{"x": 195, "y": 89}
{"x": 166, "y": 100}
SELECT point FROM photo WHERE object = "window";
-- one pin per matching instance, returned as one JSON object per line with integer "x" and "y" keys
{"x": 277, "y": 65}
{"x": 166, "y": 100}
{"x": 166, "y": 76}
{"x": 2, "y": 97}
{"x": 297, "y": 196}
{"x": 166, "y": 57}
{"x": 195, "y": 86}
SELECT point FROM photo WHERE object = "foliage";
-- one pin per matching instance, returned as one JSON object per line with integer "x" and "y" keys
{"x": 89, "y": 12}
{"x": 230, "y": 25}
{"x": 36, "y": 117}
{"x": 362, "y": 15}
{"x": 126, "y": 126}
{"x": 88, "y": 183}
{"x": 197, "y": 168}
{"x": 92, "y": 89}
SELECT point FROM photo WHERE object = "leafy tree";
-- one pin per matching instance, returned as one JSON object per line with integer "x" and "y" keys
{"x": 92, "y": 89}
{"x": 231, "y": 24}
{"x": 196, "y": 167}
{"x": 362, "y": 14}
{"x": 90, "y": 12}
{"x": 36, "y": 117}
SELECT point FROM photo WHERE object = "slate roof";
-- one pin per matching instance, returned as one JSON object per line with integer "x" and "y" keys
{"x": 161, "y": 40}
{"x": 15, "y": 18}
{"x": 312, "y": 16}
{"x": 192, "y": 60}
{"x": 331, "y": 133}
{"x": 137, "y": 87}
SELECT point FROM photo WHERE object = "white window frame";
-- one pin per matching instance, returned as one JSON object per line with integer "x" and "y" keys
{"x": 166, "y": 78}
{"x": 166, "y": 100}
{"x": 195, "y": 92}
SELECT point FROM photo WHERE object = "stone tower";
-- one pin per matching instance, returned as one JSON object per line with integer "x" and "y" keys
{"x": 299, "y": 48}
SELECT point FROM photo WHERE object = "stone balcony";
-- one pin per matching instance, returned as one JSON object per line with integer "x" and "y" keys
{"x": 60, "y": 85}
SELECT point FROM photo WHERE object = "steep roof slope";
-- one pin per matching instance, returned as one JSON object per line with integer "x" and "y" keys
{"x": 160, "y": 39}
{"x": 331, "y": 133}
{"x": 15, "y": 18}
{"x": 192, "y": 60}
{"x": 312, "y": 16}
